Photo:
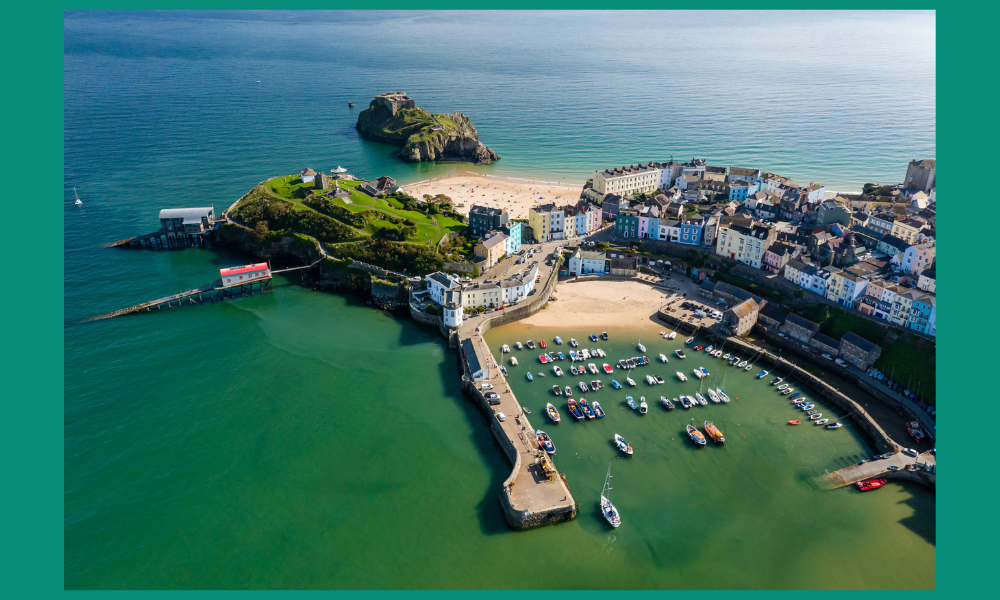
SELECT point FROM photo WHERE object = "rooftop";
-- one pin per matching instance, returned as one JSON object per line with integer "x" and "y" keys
{"x": 856, "y": 340}
{"x": 801, "y": 322}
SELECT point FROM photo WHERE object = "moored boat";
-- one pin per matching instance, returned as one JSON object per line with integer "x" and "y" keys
{"x": 624, "y": 446}
{"x": 685, "y": 402}
{"x": 786, "y": 391}
{"x": 558, "y": 371}
{"x": 663, "y": 357}
{"x": 604, "y": 335}
{"x": 807, "y": 406}
{"x": 679, "y": 353}
{"x": 870, "y": 484}
{"x": 592, "y": 368}
{"x": 689, "y": 341}
{"x": 777, "y": 380}
{"x": 596, "y": 385}
{"x": 671, "y": 335}
{"x": 558, "y": 340}
{"x": 631, "y": 403}
{"x": 698, "y": 374}
{"x": 709, "y": 349}
{"x": 505, "y": 349}
{"x": 816, "y": 416}
{"x": 714, "y": 433}
{"x": 519, "y": 345}
{"x": 834, "y": 425}
{"x": 598, "y": 411}
{"x": 593, "y": 337}
{"x": 705, "y": 371}
{"x": 794, "y": 422}
{"x": 542, "y": 344}
{"x": 630, "y": 381}
{"x": 700, "y": 398}
{"x": 741, "y": 364}
{"x": 587, "y": 411}
{"x": 530, "y": 344}
{"x": 561, "y": 356}
{"x": 727, "y": 355}
{"x": 574, "y": 370}
{"x": 543, "y": 358}
{"x": 553, "y": 413}
{"x": 667, "y": 404}
{"x": 681, "y": 376}
{"x": 722, "y": 395}
{"x": 822, "y": 421}
{"x": 557, "y": 390}
{"x": 573, "y": 342}
{"x": 699, "y": 347}
{"x": 696, "y": 436}
{"x": 608, "y": 369}
{"x": 568, "y": 390}
{"x": 583, "y": 386}
{"x": 762, "y": 375}
{"x": 574, "y": 409}
{"x": 607, "y": 508}
{"x": 503, "y": 370}
{"x": 658, "y": 379}
{"x": 783, "y": 386}
{"x": 615, "y": 384}
{"x": 650, "y": 380}
{"x": 643, "y": 407}
{"x": 513, "y": 361}
{"x": 545, "y": 442}
{"x": 713, "y": 396}
{"x": 530, "y": 378}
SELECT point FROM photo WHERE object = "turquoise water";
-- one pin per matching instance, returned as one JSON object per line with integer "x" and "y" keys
{"x": 304, "y": 440}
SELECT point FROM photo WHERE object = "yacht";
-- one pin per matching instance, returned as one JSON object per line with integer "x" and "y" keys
{"x": 607, "y": 509}
{"x": 663, "y": 357}
{"x": 681, "y": 376}
{"x": 552, "y": 412}
{"x": 643, "y": 407}
{"x": 667, "y": 404}
{"x": 722, "y": 395}
{"x": 630, "y": 381}
{"x": 545, "y": 442}
{"x": 696, "y": 436}
{"x": 713, "y": 396}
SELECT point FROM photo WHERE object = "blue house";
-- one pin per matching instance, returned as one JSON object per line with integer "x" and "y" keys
{"x": 627, "y": 223}
{"x": 513, "y": 231}
{"x": 691, "y": 230}
{"x": 740, "y": 190}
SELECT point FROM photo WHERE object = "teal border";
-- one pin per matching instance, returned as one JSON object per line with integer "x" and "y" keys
{"x": 33, "y": 45}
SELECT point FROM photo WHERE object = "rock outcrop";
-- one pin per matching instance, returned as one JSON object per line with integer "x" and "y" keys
{"x": 423, "y": 136}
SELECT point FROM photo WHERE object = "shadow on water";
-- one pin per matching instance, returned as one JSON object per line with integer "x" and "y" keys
{"x": 491, "y": 520}
{"x": 923, "y": 521}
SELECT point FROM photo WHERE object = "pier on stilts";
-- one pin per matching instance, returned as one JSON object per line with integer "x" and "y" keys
{"x": 231, "y": 285}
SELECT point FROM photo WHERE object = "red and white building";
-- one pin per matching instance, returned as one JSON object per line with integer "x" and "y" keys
{"x": 245, "y": 274}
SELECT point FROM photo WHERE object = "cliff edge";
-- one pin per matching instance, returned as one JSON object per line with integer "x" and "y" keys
{"x": 394, "y": 118}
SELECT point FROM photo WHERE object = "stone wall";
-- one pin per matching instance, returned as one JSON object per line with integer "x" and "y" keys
{"x": 457, "y": 267}
{"x": 524, "y": 309}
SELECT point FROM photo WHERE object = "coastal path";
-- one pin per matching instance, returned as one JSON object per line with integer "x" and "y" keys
{"x": 906, "y": 467}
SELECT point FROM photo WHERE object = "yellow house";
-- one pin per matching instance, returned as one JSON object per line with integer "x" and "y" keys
{"x": 907, "y": 229}
{"x": 491, "y": 249}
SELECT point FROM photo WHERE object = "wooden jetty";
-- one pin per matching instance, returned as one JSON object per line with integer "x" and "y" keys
{"x": 224, "y": 288}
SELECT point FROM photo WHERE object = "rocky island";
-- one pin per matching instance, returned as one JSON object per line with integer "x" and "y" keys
{"x": 394, "y": 118}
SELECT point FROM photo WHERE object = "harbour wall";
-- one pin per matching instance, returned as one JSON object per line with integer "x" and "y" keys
{"x": 524, "y": 309}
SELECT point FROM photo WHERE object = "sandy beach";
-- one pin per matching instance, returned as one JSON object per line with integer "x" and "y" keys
{"x": 517, "y": 196}
{"x": 601, "y": 305}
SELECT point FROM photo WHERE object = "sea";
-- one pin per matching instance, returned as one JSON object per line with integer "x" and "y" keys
{"x": 303, "y": 439}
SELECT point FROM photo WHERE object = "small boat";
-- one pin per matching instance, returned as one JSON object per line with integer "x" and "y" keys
{"x": 505, "y": 349}
{"x": 598, "y": 410}
{"x": 643, "y": 407}
{"x": 573, "y": 342}
{"x": 558, "y": 371}
{"x": 557, "y": 390}
{"x": 641, "y": 347}
{"x": 583, "y": 387}
{"x": 685, "y": 402}
{"x": 630, "y": 381}
{"x": 615, "y": 384}
{"x": 574, "y": 371}
{"x": 913, "y": 428}
{"x": 77, "y": 202}
{"x": 530, "y": 378}
{"x": 794, "y": 422}
{"x": 519, "y": 345}
{"x": 689, "y": 341}
{"x": 541, "y": 374}
{"x": 777, "y": 381}
{"x": 558, "y": 340}
{"x": 527, "y": 410}
{"x": 742, "y": 364}
{"x": 722, "y": 395}
{"x": 545, "y": 442}
{"x": 561, "y": 356}
{"x": 714, "y": 433}
{"x": 574, "y": 409}
{"x": 782, "y": 386}
{"x": 543, "y": 358}
{"x": 699, "y": 347}
{"x": 607, "y": 509}
{"x": 623, "y": 445}
{"x": 717, "y": 353}
{"x": 568, "y": 391}
{"x": 650, "y": 380}
{"x": 503, "y": 370}
{"x": 698, "y": 374}
{"x": 800, "y": 401}
{"x": 583, "y": 354}
{"x": 608, "y": 369}
{"x": 709, "y": 349}
{"x": 513, "y": 361}
{"x": 705, "y": 371}
{"x": 679, "y": 353}
{"x": 592, "y": 368}
{"x": 816, "y": 416}
{"x": 587, "y": 411}
{"x": 833, "y": 425}
{"x": 786, "y": 392}
{"x": 807, "y": 406}
{"x": 542, "y": 344}
{"x": 734, "y": 361}
{"x": 713, "y": 396}
{"x": 762, "y": 375}
{"x": 663, "y": 357}
{"x": 700, "y": 398}
{"x": 552, "y": 412}
{"x": 681, "y": 376}
{"x": 727, "y": 355}
{"x": 604, "y": 335}
{"x": 796, "y": 395}
{"x": 596, "y": 385}
{"x": 658, "y": 379}
{"x": 530, "y": 344}
{"x": 631, "y": 403}
{"x": 696, "y": 436}
{"x": 822, "y": 421}
{"x": 593, "y": 337}
{"x": 667, "y": 404}
{"x": 573, "y": 356}
{"x": 671, "y": 335}
{"x": 870, "y": 484}
{"x": 812, "y": 411}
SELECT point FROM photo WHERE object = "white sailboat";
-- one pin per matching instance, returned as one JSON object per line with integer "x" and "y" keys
{"x": 639, "y": 345}
{"x": 78, "y": 201}
{"x": 608, "y": 509}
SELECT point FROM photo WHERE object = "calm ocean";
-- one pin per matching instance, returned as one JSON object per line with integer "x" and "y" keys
{"x": 304, "y": 440}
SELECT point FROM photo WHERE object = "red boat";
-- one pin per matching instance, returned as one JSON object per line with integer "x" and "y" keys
{"x": 793, "y": 422}
{"x": 542, "y": 343}
{"x": 870, "y": 484}
{"x": 543, "y": 358}
{"x": 699, "y": 347}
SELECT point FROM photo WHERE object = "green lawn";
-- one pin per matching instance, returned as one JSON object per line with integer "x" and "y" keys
{"x": 429, "y": 229}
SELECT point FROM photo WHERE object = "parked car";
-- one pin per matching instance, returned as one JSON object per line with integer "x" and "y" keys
{"x": 840, "y": 362}
{"x": 781, "y": 335}
{"x": 486, "y": 386}
{"x": 491, "y": 395}
{"x": 815, "y": 351}
{"x": 501, "y": 417}
{"x": 826, "y": 356}
{"x": 910, "y": 452}
{"x": 493, "y": 401}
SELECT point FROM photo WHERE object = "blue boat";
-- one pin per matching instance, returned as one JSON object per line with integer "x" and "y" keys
{"x": 558, "y": 340}
{"x": 561, "y": 356}
{"x": 593, "y": 337}
{"x": 503, "y": 370}
{"x": 572, "y": 354}
{"x": 616, "y": 385}
{"x": 704, "y": 370}
{"x": 796, "y": 395}
{"x": 530, "y": 378}
{"x": 631, "y": 403}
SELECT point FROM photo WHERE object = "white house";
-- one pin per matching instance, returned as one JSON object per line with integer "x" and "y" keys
{"x": 669, "y": 230}
{"x": 245, "y": 274}
{"x": 586, "y": 262}
{"x": 439, "y": 283}
{"x": 453, "y": 312}
{"x": 308, "y": 175}
{"x": 627, "y": 181}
